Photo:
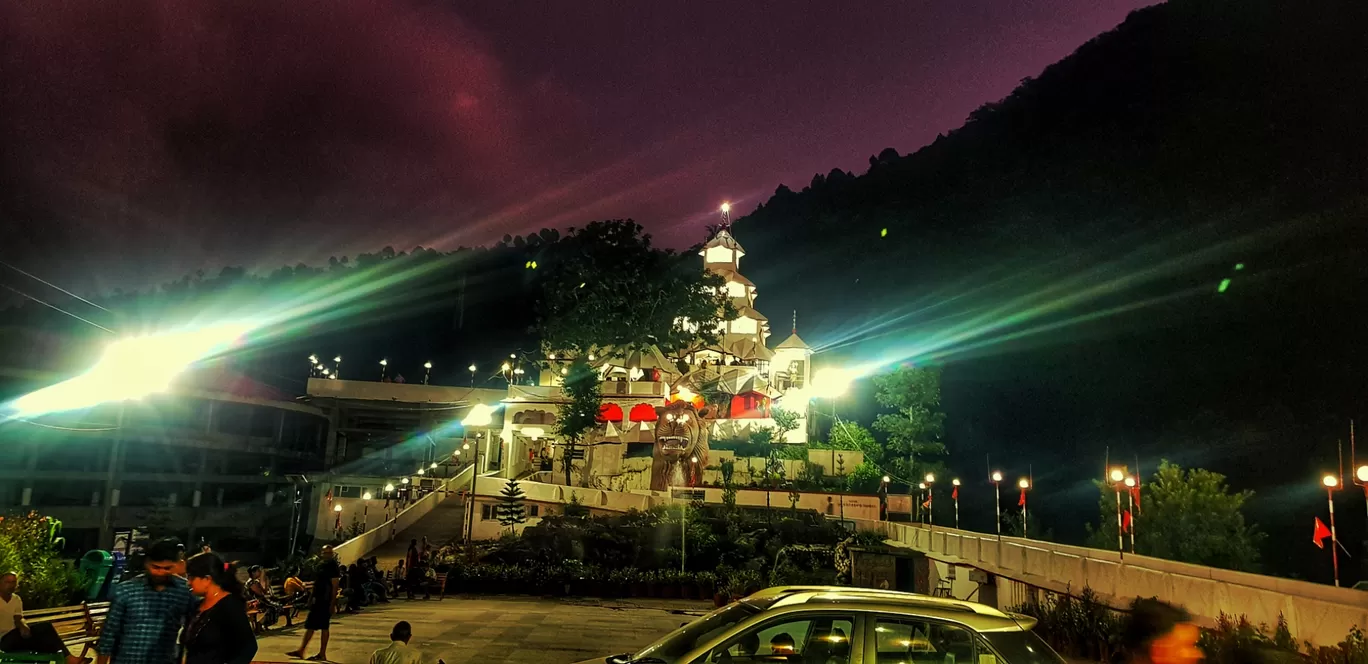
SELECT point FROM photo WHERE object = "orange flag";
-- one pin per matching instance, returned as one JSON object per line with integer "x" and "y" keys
{"x": 1022, "y": 501}
{"x": 955, "y": 494}
{"x": 1126, "y": 521}
{"x": 1320, "y": 534}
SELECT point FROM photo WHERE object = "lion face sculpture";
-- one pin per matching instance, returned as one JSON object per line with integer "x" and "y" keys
{"x": 681, "y": 435}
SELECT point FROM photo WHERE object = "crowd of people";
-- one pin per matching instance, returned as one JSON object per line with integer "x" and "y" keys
{"x": 204, "y": 610}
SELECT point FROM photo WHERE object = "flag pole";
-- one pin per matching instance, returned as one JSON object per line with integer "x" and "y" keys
{"x": 1334, "y": 541}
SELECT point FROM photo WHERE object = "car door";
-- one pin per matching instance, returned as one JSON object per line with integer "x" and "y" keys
{"x": 824, "y": 636}
{"x": 904, "y": 639}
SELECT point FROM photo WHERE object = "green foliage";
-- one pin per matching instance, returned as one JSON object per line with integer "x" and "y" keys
{"x": 1080, "y": 628}
{"x": 913, "y": 429}
{"x": 864, "y": 479}
{"x": 511, "y": 511}
{"x": 30, "y": 545}
{"x": 728, "y": 472}
{"x": 784, "y": 422}
{"x": 846, "y": 435}
{"x": 605, "y": 285}
{"x": 1186, "y": 515}
{"x": 579, "y": 415}
{"x": 791, "y": 451}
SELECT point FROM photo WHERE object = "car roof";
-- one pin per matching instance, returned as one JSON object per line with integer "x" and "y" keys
{"x": 980, "y": 617}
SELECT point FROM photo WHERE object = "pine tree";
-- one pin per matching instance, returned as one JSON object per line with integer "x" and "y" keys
{"x": 510, "y": 510}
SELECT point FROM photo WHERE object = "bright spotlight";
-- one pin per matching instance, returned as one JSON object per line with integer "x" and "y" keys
{"x": 1024, "y": 483}
{"x": 366, "y": 496}
{"x": 1362, "y": 473}
{"x": 1130, "y": 481}
{"x": 1117, "y": 474}
{"x": 133, "y": 368}
{"x": 1330, "y": 481}
{"x": 997, "y": 476}
{"x": 480, "y": 415}
{"x": 831, "y": 383}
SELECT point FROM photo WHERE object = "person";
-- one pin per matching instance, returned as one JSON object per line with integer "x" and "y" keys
{"x": 374, "y": 583}
{"x": 220, "y": 632}
{"x": 398, "y": 651}
{"x": 1160, "y": 633}
{"x": 321, "y": 606}
{"x": 413, "y": 561}
{"x": 147, "y": 611}
{"x": 399, "y": 582}
{"x": 782, "y": 644}
{"x": 18, "y": 636}
{"x": 258, "y": 590}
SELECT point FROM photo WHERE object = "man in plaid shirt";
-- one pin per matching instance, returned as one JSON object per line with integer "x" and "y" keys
{"x": 146, "y": 613}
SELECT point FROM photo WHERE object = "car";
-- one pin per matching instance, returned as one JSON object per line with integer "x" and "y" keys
{"x": 836, "y": 625}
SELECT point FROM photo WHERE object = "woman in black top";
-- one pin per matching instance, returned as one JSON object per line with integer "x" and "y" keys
{"x": 220, "y": 633}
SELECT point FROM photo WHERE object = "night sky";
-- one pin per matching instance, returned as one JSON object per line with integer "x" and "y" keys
{"x": 141, "y": 140}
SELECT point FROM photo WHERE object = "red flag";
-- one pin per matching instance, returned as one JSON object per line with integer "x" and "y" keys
{"x": 1135, "y": 495}
{"x": 1126, "y": 521}
{"x": 1320, "y": 534}
{"x": 1022, "y": 502}
{"x": 955, "y": 494}
{"x": 329, "y": 496}
{"x": 927, "y": 503}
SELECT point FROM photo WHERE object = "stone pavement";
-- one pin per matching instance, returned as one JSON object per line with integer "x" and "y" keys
{"x": 465, "y": 629}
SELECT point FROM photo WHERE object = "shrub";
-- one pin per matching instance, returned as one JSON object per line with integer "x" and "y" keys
{"x": 30, "y": 545}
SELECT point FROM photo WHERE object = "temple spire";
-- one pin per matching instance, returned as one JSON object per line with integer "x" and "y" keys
{"x": 795, "y": 321}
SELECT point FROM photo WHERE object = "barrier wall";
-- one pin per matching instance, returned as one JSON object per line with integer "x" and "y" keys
{"x": 372, "y": 539}
{"x": 1317, "y": 613}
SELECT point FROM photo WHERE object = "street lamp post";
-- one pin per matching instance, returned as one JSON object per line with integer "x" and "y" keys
{"x": 1130, "y": 506}
{"x": 1361, "y": 479}
{"x": 1117, "y": 477}
{"x": 1331, "y": 483}
{"x": 930, "y": 498}
{"x": 337, "y": 522}
{"x": 480, "y": 415}
{"x": 997, "y": 501}
{"x": 471, "y": 369}
{"x": 383, "y": 365}
{"x": 1025, "y": 484}
{"x": 427, "y": 372}
{"x": 954, "y": 495}
{"x": 365, "y": 510}
{"x": 883, "y": 504}
{"x": 337, "y": 371}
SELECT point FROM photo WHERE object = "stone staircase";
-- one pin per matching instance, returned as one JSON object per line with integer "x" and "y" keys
{"x": 443, "y": 524}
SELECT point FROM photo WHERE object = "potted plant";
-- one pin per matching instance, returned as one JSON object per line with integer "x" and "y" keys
{"x": 705, "y": 585}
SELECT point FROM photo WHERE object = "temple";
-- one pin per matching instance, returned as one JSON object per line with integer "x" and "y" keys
{"x": 733, "y": 385}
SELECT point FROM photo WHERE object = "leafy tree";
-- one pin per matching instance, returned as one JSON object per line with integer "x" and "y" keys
{"x": 914, "y": 427}
{"x": 606, "y": 286}
{"x": 865, "y": 478}
{"x": 784, "y": 422}
{"x": 1185, "y": 515}
{"x": 728, "y": 470}
{"x": 510, "y": 511}
{"x": 579, "y": 415}
{"x": 847, "y": 435}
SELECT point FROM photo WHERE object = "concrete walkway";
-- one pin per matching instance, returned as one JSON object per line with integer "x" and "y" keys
{"x": 470, "y": 629}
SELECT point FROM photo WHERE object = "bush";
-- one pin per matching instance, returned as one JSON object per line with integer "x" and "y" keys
{"x": 30, "y": 545}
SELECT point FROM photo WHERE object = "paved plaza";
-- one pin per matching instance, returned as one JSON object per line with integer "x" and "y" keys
{"x": 496, "y": 630}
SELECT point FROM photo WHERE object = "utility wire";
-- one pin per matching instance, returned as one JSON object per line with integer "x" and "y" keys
{"x": 55, "y": 286}
{"x": 56, "y": 308}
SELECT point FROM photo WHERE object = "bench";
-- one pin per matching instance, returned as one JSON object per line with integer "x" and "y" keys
{"x": 78, "y": 626}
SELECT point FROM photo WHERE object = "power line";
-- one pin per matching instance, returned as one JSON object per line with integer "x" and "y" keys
{"x": 55, "y": 286}
{"x": 56, "y": 308}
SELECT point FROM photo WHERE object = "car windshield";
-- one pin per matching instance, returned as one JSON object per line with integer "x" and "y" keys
{"x": 684, "y": 639}
{"x": 1023, "y": 647}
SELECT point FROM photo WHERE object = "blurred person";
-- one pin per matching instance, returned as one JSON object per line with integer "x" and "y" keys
{"x": 258, "y": 590}
{"x": 1160, "y": 633}
{"x": 147, "y": 611}
{"x": 398, "y": 651}
{"x": 322, "y": 604}
{"x": 413, "y": 561}
{"x": 220, "y": 632}
{"x": 19, "y": 636}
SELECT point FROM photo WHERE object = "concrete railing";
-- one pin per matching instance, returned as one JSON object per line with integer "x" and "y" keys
{"x": 1314, "y": 612}
{"x": 363, "y": 544}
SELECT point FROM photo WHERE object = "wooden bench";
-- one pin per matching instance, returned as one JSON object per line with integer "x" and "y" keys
{"x": 78, "y": 626}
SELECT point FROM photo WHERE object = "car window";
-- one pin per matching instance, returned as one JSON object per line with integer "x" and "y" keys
{"x": 797, "y": 640}
{"x": 912, "y": 641}
{"x": 1022, "y": 648}
{"x": 681, "y": 641}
